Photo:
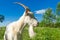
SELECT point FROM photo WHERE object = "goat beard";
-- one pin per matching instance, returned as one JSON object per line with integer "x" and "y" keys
{"x": 31, "y": 31}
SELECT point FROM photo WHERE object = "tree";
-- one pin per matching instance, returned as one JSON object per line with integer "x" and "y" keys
{"x": 1, "y": 18}
{"x": 48, "y": 17}
{"x": 58, "y": 13}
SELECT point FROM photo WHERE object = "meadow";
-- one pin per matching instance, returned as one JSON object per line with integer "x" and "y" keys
{"x": 48, "y": 29}
{"x": 42, "y": 33}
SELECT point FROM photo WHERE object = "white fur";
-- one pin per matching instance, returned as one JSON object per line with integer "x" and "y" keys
{"x": 14, "y": 29}
{"x": 31, "y": 31}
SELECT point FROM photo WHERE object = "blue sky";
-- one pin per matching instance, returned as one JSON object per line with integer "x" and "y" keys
{"x": 13, "y": 12}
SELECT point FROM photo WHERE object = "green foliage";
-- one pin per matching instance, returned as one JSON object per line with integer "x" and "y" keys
{"x": 51, "y": 19}
{"x": 48, "y": 18}
{"x": 57, "y": 24}
{"x": 1, "y": 18}
{"x": 46, "y": 33}
{"x": 47, "y": 28}
{"x": 42, "y": 33}
{"x": 58, "y": 13}
{"x": 2, "y": 30}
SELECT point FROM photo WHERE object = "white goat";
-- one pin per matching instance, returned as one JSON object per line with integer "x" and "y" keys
{"x": 15, "y": 28}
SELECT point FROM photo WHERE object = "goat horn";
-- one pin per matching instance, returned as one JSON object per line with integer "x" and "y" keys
{"x": 22, "y": 5}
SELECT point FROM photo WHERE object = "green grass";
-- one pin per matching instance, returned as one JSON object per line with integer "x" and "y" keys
{"x": 2, "y": 30}
{"x": 42, "y": 33}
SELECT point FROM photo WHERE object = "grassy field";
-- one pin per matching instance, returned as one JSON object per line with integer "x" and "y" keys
{"x": 42, "y": 33}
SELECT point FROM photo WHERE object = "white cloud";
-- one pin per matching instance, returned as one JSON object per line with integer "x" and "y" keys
{"x": 40, "y": 11}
